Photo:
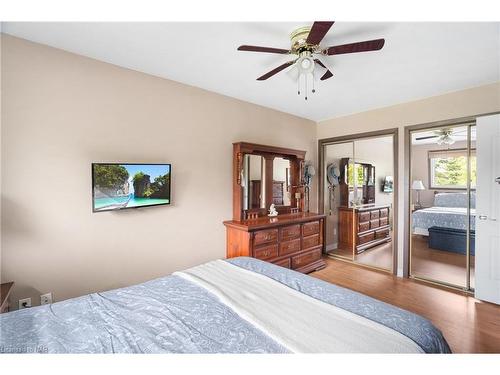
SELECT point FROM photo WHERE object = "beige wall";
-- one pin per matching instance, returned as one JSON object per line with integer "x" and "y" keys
{"x": 60, "y": 112}
{"x": 479, "y": 100}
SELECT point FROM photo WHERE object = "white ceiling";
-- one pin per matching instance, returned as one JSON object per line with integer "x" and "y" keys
{"x": 418, "y": 60}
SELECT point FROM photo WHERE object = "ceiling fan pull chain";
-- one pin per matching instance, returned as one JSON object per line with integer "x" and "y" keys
{"x": 305, "y": 79}
{"x": 313, "y": 90}
{"x": 298, "y": 85}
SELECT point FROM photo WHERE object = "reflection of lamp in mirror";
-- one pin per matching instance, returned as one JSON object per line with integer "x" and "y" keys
{"x": 418, "y": 185}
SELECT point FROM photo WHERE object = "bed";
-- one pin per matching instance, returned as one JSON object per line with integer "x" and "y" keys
{"x": 211, "y": 309}
{"x": 449, "y": 211}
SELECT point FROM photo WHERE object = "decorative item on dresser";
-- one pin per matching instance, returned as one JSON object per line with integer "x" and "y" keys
{"x": 291, "y": 240}
{"x": 363, "y": 227}
{"x": 294, "y": 238}
{"x": 5, "y": 290}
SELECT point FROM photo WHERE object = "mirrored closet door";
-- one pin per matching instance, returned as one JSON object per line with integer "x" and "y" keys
{"x": 442, "y": 202}
{"x": 358, "y": 198}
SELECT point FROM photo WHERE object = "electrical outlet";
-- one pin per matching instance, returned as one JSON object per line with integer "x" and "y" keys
{"x": 45, "y": 299}
{"x": 24, "y": 303}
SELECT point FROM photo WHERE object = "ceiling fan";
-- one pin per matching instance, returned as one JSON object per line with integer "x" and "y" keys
{"x": 305, "y": 43}
{"x": 444, "y": 136}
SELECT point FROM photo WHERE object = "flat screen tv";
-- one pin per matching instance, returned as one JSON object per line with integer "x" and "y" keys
{"x": 117, "y": 186}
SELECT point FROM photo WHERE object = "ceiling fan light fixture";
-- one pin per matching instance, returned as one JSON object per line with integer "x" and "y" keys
{"x": 306, "y": 42}
{"x": 445, "y": 139}
{"x": 305, "y": 64}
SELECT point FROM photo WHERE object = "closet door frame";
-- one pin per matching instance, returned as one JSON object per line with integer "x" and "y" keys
{"x": 394, "y": 132}
{"x": 408, "y": 130}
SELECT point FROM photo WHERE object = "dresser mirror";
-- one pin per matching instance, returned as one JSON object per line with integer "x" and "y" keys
{"x": 281, "y": 181}
{"x": 357, "y": 182}
{"x": 265, "y": 175}
{"x": 252, "y": 182}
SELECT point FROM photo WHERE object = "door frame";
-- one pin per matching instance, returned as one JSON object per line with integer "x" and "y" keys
{"x": 394, "y": 132}
{"x": 407, "y": 195}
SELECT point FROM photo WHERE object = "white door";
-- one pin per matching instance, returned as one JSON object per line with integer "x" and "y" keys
{"x": 487, "y": 279}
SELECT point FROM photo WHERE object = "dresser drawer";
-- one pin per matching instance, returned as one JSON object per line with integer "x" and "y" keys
{"x": 289, "y": 247}
{"x": 283, "y": 263}
{"x": 364, "y": 216}
{"x": 363, "y": 227}
{"x": 384, "y": 221}
{"x": 310, "y": 228}
{"x": 374, "y": 223}
{"x": 306, "y": 258}
{"x": 311, "y": 241}
{"x": 266, "y": 252}
{"x": 265, "y": 236}
{"x": 382, "y": 233}
{"x": 364, "y": 238}
{"x": 290, "y": 232}
{"x": 384, "y": 212}
{"x": 375, "y": 214}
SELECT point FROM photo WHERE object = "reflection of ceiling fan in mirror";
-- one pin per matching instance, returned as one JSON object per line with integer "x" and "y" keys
{"x": 444, "y": 136}
{"x": 305, "y": 42}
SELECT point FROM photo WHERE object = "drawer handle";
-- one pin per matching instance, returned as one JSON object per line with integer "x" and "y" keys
{"x": 266, "y": 253}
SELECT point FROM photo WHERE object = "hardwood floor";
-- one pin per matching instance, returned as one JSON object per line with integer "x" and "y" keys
{"x": 379, "y": 256}
{"x": 426, "y": 262}
{"x": 439, "y": 265}
{"x": 469, "y": 325}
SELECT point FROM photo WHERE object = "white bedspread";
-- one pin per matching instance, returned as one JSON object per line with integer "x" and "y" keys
{"x": 300, "y": 323}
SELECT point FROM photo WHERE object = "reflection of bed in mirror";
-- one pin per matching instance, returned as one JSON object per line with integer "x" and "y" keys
{"x": 449, "y": 211}
{"x": 445, "y": 223}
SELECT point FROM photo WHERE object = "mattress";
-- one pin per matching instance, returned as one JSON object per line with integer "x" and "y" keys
{"x": 446, "y": 217}
{"x": 174, "y": 314}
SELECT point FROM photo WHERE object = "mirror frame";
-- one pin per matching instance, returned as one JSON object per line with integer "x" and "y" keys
{"x": 269, "y": 153}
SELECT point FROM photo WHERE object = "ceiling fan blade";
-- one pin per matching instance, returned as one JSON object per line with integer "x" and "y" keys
{"x": 428, "y": 137}
{"x": 293, "y": 73}
{"x": 328, "y": 73}
{"x": 263, "y": 49}
{"x": 275, "y": 70}
{"x": 369, "y": 45}
{"x": 318, "y": 31}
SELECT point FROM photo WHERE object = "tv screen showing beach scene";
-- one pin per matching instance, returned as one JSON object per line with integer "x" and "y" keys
{"x": 121, "y": 186}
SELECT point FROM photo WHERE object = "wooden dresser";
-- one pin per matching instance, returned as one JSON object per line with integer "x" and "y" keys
{"x": 291, "y": 240}
{"x": 363, "y": 227}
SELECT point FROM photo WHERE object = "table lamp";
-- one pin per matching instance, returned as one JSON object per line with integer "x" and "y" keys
{"x": 418, "y": 185}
